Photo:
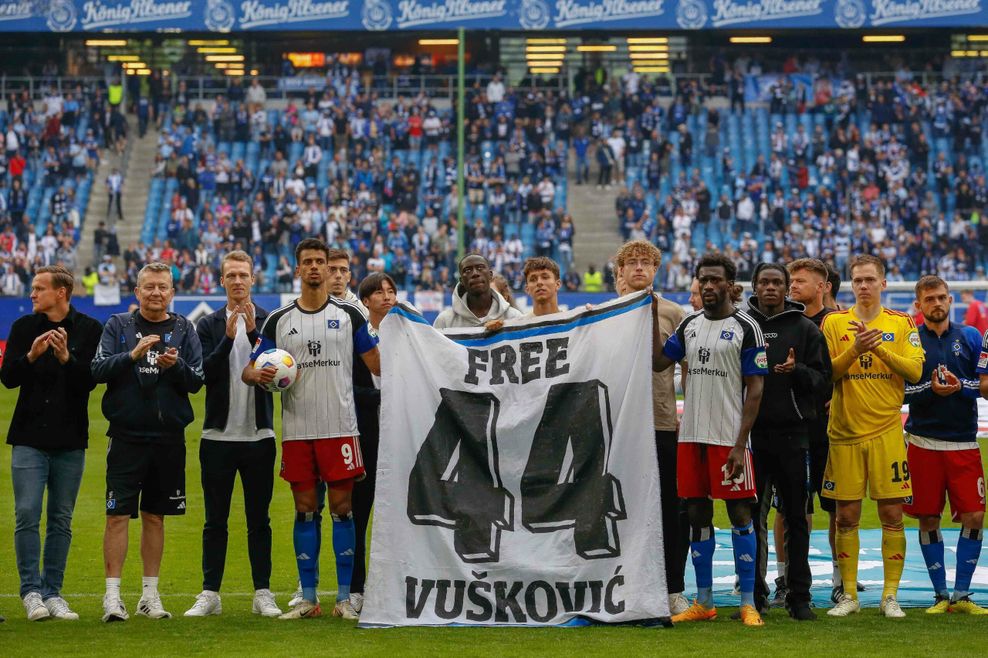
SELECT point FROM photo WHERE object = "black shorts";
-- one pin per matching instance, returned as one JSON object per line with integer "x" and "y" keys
{"x": 149, "y": 473}
{"x": 818, "y": 453}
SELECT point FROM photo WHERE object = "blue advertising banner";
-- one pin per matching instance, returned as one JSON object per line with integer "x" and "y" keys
{"x": 195, "y": 307}
{"x": 89, "y": 16}
{"x": 430, "y": 304}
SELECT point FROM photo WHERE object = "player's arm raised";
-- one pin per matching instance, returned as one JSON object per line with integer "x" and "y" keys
{"x": 672, "y": 352}
{"x": 909, "y": 364}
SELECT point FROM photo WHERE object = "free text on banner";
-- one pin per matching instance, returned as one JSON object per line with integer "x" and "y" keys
{"x": 517, "y": 479}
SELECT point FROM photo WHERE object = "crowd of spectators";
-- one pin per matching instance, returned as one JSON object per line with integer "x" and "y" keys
{"x": 375, "y": 177}
{"x": 892, "y": 167}
{"x": 51, "y": 149}
{"x": 841, "y": 165}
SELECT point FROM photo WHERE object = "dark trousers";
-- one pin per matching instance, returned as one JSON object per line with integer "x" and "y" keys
{"x": 675, "y": 522}
{"x": 782, "y": 461}
{"x": 363, "y": 492}
{"x": 113, "y": 198}
{"x": 221, "y": 461}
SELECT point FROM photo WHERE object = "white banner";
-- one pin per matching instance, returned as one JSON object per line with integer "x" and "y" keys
{"x": 517, "y": 477}
{"x": 106, "y": 294}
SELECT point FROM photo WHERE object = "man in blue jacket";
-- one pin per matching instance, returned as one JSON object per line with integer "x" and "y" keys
{"x": 150, "y": 361}
{"x": 943, "y": 456}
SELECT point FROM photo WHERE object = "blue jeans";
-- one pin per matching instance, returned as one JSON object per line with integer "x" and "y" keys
{"x": 32, "y": 471}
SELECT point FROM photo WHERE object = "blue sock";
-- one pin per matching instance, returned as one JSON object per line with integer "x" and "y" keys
{"x": 306, "y": 538}
{"x": 743, "y": 540}
{"x": 344, "y": 545}
{"x": 702, "y": 549}
{"x": 968, "y": 550}
{"x": 320, "y": 506}
{"x": 931, "y": 544}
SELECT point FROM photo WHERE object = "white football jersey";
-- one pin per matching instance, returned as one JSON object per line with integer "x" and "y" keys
{"x": 719, "y": 354}
{"x": 319, "y": 405}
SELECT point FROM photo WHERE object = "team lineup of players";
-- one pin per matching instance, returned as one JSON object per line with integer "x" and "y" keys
{"x": 793, "y": 397}
{"x": 818, "y": 409}
{"x": 784, "y": 399}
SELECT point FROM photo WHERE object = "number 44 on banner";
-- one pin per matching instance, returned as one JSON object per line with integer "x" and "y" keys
{"x": 456, "y": 480}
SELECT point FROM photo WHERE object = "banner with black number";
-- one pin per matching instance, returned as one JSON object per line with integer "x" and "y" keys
{"x": 517, "y": 478}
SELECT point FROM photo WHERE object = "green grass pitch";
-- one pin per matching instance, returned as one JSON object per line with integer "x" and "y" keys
{"x": 237, "y": 631}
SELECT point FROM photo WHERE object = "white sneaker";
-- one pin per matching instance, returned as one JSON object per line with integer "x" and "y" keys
{"x": 114, "y": 609}
{"x": 150, "y": 606}
{"x": 845, "y": 606}
{"x": 296, "y": 597}
{"x": 264, "y": 604}
{"x": 35, "y": 607}
{"x": 345, "y": 609}
{"x": 304, "y": 610}
{"x": 678, "y": 603}
{"x": 207, "y": 603}
{"x": 357, "y": 602}
{"x": 58, "y": 608}
{"x": 889, "y": 607}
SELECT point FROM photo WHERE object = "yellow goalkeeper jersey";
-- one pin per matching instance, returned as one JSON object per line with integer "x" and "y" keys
{"x": 867, "y": 399}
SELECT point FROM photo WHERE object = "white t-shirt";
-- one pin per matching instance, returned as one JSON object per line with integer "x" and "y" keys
{"x": 617, "y": 146}
{"x": 241, "y": 421}
{"x": 495, "y": 91}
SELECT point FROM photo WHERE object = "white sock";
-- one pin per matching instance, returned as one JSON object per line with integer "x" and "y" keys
{"x": 781, "y": 567}
{"x": 150, "y": 585}
{"x": 837, "y": 579}
{"x": 113, "y": 586}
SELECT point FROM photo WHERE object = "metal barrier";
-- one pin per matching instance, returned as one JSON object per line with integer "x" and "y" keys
{"x": 204, "y": 88}
{"x": 391, "y": 86}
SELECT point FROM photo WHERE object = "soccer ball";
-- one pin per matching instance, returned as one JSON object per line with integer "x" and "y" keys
{"x": 286, "y": 365}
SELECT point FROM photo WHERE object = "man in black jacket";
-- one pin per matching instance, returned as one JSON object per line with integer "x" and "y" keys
{"x": 237, "y": 436}
{"x": 48, "y": 357}
{"x": 151, "y": 361}
{"x": 799, "y": 373}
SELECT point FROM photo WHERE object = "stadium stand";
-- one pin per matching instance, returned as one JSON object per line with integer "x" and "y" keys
{"x": 375, "y": 177}
{"x": 821, "y": 163}
{"x": 52, "y": 148}
{"x": 894, "y": 168}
